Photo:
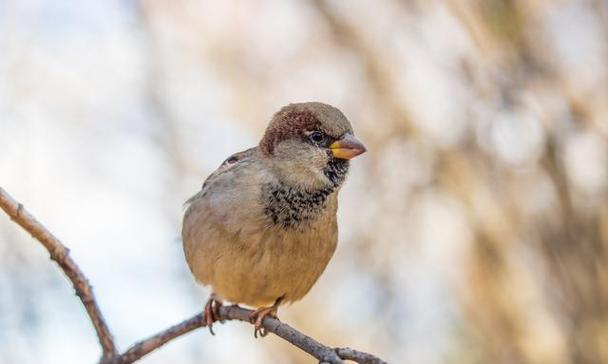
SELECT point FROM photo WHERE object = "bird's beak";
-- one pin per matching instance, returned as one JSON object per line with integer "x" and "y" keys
{"x": 347, "y": 148}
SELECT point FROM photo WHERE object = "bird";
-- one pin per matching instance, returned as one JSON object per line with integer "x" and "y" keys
{"x": 263, "y": 227}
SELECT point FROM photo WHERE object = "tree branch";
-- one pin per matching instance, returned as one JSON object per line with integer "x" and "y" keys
{"x": 311, "y": 346}
{"x": 60, "y": 254}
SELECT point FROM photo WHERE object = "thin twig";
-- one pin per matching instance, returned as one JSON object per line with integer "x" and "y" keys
{"x": 358, "y": 356}
{"x": 60, "y": 254}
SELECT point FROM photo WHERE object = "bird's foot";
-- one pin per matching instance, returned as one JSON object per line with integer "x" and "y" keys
{"x": 212, "y": 312}
{"x": 257, "y": 317}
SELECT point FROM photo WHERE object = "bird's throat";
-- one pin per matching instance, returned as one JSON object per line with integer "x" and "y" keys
{"x": 292, "y": 207}
{"x": 336, "y": 171}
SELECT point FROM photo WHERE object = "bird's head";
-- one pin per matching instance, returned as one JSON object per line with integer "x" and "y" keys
{"x": 308, "y": 145}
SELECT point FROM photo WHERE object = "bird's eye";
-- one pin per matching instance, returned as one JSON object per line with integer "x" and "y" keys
{"x": 316, "y": 137}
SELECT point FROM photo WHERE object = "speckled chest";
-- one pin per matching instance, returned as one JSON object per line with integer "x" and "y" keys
{"x": 292, "y": 207}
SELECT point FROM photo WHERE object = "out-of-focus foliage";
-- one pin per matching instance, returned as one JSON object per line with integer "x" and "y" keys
{"x": 475, "y": 230}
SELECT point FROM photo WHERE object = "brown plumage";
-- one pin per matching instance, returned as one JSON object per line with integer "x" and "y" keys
{"x": 263, "y": 228}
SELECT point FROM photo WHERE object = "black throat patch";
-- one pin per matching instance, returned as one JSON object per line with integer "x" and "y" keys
{"x": 336, "y": 171}
{"x": 292, "y": 207}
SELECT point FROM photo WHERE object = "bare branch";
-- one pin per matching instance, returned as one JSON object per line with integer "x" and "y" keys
{"x": 138, "y": 350}
{"x": 358, "y": 356}
{"x": 60, "y": 254}
{"x": 311, "y": 346}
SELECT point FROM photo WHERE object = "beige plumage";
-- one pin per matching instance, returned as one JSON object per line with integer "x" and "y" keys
{"x": 263, "y": 228}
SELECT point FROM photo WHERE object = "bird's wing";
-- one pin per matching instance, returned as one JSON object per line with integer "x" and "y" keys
{"x": 226, "y": 209}
{"x": 229, "y": 163}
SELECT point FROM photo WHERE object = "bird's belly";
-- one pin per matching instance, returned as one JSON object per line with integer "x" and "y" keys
{"x": 275, "y": 264}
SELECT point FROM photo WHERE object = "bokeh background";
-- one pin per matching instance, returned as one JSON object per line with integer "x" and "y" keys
{"x": 475, "y": 230}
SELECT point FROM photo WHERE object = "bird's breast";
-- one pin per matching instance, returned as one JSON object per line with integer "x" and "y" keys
{"x": 275, "y": 262}
{"x": 292, "y": 207}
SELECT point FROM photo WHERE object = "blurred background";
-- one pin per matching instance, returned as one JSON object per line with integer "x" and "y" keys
{"x": 475, "y": 230}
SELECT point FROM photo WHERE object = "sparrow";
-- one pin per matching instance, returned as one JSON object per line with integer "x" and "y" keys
{"x": 263, "y": 227}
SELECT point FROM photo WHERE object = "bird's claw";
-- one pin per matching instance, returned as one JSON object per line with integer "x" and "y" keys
{"x": 212, "y": 312}
{"x": 257, "y": 319}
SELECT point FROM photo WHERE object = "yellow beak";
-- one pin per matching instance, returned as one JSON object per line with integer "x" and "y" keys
{"x": 348, "y": 147}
